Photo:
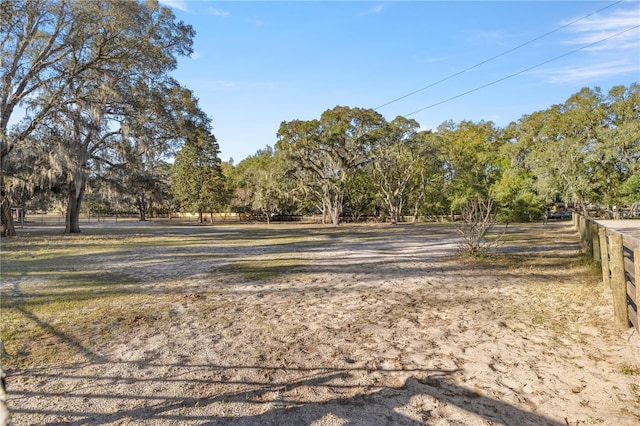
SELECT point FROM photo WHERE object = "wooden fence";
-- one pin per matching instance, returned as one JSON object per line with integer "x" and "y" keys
{"x": 619, "y": 257}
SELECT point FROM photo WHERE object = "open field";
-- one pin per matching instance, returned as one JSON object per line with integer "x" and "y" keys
{"x": 309, "y": 325}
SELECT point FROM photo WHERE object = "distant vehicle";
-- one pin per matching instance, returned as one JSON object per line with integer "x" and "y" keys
{"x": 560, "y": 215}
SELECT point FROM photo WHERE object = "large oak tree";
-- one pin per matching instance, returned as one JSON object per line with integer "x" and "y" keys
{"x": 324, "y": 153}
{"x": 76, "y": 67}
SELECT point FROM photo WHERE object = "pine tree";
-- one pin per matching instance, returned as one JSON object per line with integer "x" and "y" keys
{"x": 198, "y": 183}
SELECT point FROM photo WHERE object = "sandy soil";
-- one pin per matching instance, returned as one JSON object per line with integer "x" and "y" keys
{"x": 357, "y": 326}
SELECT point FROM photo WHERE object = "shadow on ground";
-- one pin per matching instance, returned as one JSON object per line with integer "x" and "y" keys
{"x": 372, "y": 405}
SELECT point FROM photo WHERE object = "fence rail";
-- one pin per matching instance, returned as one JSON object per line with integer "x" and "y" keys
{"x": 618, "y": 253}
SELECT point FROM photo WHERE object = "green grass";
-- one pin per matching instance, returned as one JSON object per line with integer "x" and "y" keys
{"x": 57, "y": 302}
{"x": 630, "y": 370}
{"x": 262, "y": 269}
{"x": 62, "y": 331}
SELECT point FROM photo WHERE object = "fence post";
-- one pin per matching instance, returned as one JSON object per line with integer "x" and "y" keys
{"x": 636, "y": 277}
{"x": 586, "y": 240}
{"x": 604, "y": 257}
{"x": 585, "y": 236}
{"x": 595, "y": 242}
{"x": 618, "y": 281}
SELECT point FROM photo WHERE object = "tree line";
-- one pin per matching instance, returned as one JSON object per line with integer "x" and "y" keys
{"x": 352, "y": 162}
{"x": 103, "y": 120}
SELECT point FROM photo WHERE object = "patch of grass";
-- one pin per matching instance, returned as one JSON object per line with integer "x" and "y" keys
{"x": 545, "y": 264}
{"x": 30, "y": 342}
{"x": 59, "y": 289}
{"x": 64, "y": 331}
{"x": 630, "y": 370}
{"x": 41, "y": 255}
{"x": 56, "y": 303}
{"x": 502, "y": 260}
{"x": 635, "y": 390}
{"x": 262, "y": 269}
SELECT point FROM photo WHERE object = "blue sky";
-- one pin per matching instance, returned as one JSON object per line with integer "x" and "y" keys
{"x": 258, "y": 63}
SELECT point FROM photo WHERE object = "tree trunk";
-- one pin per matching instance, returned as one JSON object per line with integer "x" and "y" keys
{"x": 335, "y": 217}
{"x": 325, "y": 211}
{"x": 394, "y": 205}
{"x": 76, "y": 194}
{"x": 335, "y": 213}
{"x": 393, "y": 213}
{"x": 200, "y": 216}
{"x": 336, "y": 207}
{"x": 8, "y": 228}
{"x": 416, "y": 209}
{"x": 584, "y": 207}
{"x": 142, "y": 210}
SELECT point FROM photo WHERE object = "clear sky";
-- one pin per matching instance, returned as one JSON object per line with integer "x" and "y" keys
{"x": 258, "y": 63}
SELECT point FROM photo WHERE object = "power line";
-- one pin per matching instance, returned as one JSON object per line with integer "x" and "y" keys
{"x": 524, "y": 70}
{"x": 497, "y": 56}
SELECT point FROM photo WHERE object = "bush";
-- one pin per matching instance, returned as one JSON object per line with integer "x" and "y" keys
{"x": 478, "y": 219}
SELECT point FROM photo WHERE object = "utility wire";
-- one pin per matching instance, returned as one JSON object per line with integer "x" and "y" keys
{"x": 524, "y": 70}
{"x": 497, "y": 56}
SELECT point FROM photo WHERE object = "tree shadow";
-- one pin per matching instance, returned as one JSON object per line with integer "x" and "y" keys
{"x": 426, "y": 390}
{"x": 366, "y": 409}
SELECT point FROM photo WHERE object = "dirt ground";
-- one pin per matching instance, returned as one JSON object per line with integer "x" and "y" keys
{"x": 311, "y": 325}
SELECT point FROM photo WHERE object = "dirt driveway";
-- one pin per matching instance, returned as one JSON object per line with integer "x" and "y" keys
{"x": 311, "y": 325}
